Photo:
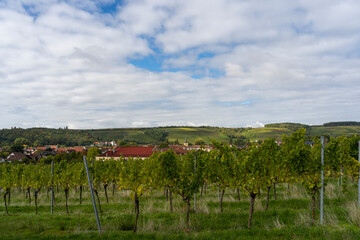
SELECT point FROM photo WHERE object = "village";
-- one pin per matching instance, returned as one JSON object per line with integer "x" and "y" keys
{"x": 106, "y": 149}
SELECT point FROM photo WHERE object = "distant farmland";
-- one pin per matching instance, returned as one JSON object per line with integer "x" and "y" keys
{"x": 71, "y": 137}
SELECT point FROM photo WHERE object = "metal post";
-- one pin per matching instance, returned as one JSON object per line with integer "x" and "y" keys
{"x": 195, "y": 173}
{"x": 341, "y": 177}
{"x": 92, "y": 194}
{"x": 322, "y": 183}
{"x": 359, "y": 175}
{"x": 52, "y": 187}
{"x": 341, "y": 171}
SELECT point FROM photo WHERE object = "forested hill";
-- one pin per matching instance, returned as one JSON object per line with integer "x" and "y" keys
{"x": 72, "y": 137}
{"x": 45, "y": 136}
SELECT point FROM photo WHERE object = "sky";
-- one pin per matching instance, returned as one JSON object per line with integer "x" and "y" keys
{"x": 147, "y": 63}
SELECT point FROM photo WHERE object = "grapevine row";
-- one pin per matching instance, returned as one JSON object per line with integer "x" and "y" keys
{"x": 259, "y": 167}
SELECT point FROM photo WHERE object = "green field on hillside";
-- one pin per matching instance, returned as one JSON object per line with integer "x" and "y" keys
{"x": 73, "y": 137}
{"x": 264, "y": 133}
{"x": 172, "y": 134}
{"x": 207, "y": 133}
{"x": 335, "y": 131}
{"x": 194, "y": 134}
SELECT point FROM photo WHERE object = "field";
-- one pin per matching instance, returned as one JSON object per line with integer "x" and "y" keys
{"x": 335, "y": 131}
{"x": 207, "y": 133}
{"x": 193, "y": 134}
{"x": 156, "y": 135}
{"x": 288, "y": 217}
{"x": 172, "y": 134}
{"x": 264, "y": 133}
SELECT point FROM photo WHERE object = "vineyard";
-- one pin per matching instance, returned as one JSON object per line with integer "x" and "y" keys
{"x": 262, "y": 191}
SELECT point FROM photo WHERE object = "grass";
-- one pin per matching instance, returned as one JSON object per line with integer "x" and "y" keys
{"x": 174, "y": 133}
{"x": 288, "y": 217}
{"x": 207, "y": 133}
{"x": 335, "y": 131}
{"x": 264, "y": 133}
{"x": 194, "y": 134}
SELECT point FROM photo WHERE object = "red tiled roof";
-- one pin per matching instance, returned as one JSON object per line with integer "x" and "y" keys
{"x": 199, "y": 146}
{"x": 61, "y": 150}
{"x": 179, "y": 149}
{"x": 129, "y": 152}
{"x": 76, "y": 149}
{"x": 135, "y": 151}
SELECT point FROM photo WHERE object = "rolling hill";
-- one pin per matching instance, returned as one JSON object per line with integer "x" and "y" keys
{"x": 68, "y": 137}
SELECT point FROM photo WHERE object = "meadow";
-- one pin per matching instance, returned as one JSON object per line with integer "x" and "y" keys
{"x": 288, "y": 217}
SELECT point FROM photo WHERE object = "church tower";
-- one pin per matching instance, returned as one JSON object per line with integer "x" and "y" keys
{"x": 186, "y": 143}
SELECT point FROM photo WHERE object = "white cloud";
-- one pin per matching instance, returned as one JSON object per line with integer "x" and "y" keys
{"x": 66, "y": 63}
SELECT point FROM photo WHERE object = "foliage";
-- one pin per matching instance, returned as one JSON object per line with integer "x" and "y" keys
{"x": 291, "y": 126}
{"x": 199, "y": 142}
{"x": 17, "y": 147}
{"x": 92, "y": 153}
{"x": 135, "y": 175}
{"x": 157, "y": 134}
{"x": 252, "y": 169}
{"x": 348, "y": 123}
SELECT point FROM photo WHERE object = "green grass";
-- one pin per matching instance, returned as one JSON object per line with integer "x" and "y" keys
{"x": 194, "y": 134}
{"x": 138, "y": 135}
{"x": 264, "y": 133}
{"x": 207, "y": 133}
{"x": 335, "y": 131}
{"x": 288, "y": 217}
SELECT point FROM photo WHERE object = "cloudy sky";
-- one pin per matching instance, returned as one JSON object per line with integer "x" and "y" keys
{"x": 141, "y": 63}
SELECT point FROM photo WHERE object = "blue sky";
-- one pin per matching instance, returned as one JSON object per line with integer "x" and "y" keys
{"x": 142, "y": 63}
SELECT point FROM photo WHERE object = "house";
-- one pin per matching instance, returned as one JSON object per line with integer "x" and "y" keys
{"x": 53, "y": 147}
{"x": 126, "y": 152}
{"x": 48, "y": 152}
{"x": 178, "y": 149}
{"x": 61, "y": 150}
{"x": 75, "y": 149}
{"x": 207, "y": 148}
{"x": 15, "y": 156}
{"x": 34, "y": 156}
{"x": 112, "y": 143}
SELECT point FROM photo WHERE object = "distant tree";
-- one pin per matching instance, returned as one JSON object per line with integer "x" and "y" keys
{"x": 17, "y": 147}
{"x": 6, "y": 148}
{"x": 93, "y": 152}
{"x": 37, "y": 143}
{"x": 200, "y": 142}
{"x": 21, "y": 141}
{"x": 163, "y": 145}
{"x": 4, "y": 154}
{"x": 241, "y": 141}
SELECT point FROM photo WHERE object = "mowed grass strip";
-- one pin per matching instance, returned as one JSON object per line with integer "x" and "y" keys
{"x": 288, "y": 217}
